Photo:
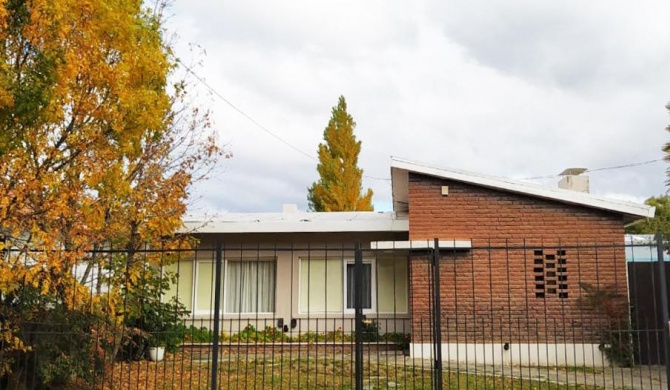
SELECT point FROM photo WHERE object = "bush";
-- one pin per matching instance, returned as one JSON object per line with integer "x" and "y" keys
{"x": 198, "y": 335}
{"x": 370, "y": 331}
{"x": 268, "y": 335}
{"x": 616, "y": 336}
{"x": 60, "y": 343}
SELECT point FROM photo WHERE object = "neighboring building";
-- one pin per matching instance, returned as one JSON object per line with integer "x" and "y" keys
{"x": 645, "y": 296}
{"x": 514, "y": 256}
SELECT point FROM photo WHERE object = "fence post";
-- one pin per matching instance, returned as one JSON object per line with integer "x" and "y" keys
{"x": 437, "y": 317}
{"x": 664, "y": 302}
{"x": 217, "y": 314}
{"x": 358, "y": 310}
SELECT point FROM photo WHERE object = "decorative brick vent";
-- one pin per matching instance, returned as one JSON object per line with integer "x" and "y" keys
{"x": 550, "y": 273}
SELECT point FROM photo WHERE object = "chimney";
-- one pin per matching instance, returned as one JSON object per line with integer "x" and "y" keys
{"x": 289, "y": 208}
{"x": 572, "y": 179}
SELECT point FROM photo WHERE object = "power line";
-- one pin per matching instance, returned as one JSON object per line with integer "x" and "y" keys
{"x": 290, "y": 145}
{"x": 252, "y": 120}
{"x": 636, "y": 164}
{"x": 249, "y": 118}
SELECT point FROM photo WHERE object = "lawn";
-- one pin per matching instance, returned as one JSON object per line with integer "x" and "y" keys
{"x": 181, "y": 371}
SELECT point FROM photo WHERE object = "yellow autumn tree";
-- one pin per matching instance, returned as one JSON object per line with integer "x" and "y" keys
{"x": 97, "y": 151}
{"x": 339, "y": 186}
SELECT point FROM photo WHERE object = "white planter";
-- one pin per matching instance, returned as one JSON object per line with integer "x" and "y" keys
{"x": 156, "y": 354}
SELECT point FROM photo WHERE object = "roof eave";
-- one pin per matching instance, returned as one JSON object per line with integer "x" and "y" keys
{"x": 630, "y": 211}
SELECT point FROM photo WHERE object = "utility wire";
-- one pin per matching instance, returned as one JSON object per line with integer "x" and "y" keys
{"x": 636, "y": 164}
{"x": 252, "y": 120}
{"x": 290, "y": 145}
{"x": 249, "y": 118}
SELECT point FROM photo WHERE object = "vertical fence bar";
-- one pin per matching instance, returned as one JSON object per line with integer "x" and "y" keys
{"x": 358, "y": 310}
{"x": 437, "y": 316}
{"x": 664, "y": 303}
{"x": 217, "y": 315}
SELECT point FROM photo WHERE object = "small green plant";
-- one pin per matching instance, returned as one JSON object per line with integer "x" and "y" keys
{"x": 275, "y": 335}
{"x": 198, "y": 335}
{"x": 616, "y": 337}
{"x": 370, "y": 331}
{"x": 268, "y": 335}
{"x": 162, "y": 322}
{"x": 337, "y": 335}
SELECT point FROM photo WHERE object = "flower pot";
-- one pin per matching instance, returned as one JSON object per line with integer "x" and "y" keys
{"x": 156, "y": 354}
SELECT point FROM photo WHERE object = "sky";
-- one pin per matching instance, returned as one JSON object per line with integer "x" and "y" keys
{"x": 512, "y": 88}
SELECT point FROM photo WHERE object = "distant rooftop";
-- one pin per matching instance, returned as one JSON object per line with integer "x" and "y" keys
{"x": 297, "y": 222}
{"x": 642, "y": 248}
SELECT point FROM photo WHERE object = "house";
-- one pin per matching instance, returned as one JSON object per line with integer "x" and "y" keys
{"x": 292, "y": 270}
{"x": 514, "y": 258}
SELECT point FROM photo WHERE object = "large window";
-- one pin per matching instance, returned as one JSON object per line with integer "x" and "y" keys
{"x": 327, "y": 286}
{"x": 321, "y": 285}
{"x": 250, "y": 287}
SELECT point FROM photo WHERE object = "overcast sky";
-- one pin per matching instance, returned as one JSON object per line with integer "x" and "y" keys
{"x": 509, "y": 88}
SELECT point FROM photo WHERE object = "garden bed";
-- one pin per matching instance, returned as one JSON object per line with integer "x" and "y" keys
{"x": 203, "y": 350}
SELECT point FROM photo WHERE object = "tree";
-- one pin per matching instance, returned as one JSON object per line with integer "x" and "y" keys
{"x": 98, "y": 149}
{"x": 339, "y": 187}
{"x": 661, "y": 220}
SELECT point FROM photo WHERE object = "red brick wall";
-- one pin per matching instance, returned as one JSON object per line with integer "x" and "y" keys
{"x": 488, "y": 293}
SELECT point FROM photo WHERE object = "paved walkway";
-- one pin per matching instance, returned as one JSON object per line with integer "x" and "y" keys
{"x": 615, "y": 378}
{"x": 641, "y": 377}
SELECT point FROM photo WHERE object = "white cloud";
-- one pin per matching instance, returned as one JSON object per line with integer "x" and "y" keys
{"x": 513, "y": 88}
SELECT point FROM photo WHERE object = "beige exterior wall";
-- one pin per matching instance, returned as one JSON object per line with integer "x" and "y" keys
{"x": 319, "y": 259}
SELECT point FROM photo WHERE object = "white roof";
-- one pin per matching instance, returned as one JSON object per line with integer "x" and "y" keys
{"x": 298, "y": 222}
{"x": 400, "y": 169}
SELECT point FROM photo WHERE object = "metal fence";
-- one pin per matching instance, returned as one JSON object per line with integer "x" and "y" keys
{"x": 429, "y": 315}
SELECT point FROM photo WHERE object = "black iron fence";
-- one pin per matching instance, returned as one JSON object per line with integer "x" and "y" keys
{"x": 413, "y": 315}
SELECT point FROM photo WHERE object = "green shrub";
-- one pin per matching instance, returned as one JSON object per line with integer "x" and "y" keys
{"x": 268, "y": 335}
{"x": 199, "y": 335}
{"x": 616, "y": 335}
{"x": 60, "y": 340}
{"x": 370, "y": 331}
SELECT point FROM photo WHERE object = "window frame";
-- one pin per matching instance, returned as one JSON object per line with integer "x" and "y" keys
{"x": 308, "y": 258}
{"x": 224, "y": 269}
{"x": 373, "y": 287}
{"x": 196, "y": 275}
{"x": 225, "y": 284}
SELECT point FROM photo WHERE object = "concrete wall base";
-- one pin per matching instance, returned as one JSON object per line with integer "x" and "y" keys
{"x": 576, "y": 355}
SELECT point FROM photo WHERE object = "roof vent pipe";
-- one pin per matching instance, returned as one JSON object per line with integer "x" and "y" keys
{"x": 290, "y": 208}
{"x": 572, "y": 179}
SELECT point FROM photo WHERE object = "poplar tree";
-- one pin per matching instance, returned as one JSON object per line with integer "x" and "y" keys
{"x": 340, "y": 185}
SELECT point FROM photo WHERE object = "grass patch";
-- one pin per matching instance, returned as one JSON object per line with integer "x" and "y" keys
{"x": 179, "y": 371}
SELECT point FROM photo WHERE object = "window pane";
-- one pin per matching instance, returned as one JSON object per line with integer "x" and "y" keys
{"x": 250, "y": 287}
{"x": 366, "y": 289}
{"x": 321, "y": 285}
{"x": 392, "y": 285}
{"x": 183, "y": 287}
{"x": 205, "y": 286}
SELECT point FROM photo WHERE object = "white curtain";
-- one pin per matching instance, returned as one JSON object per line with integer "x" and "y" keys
{"x": 250, "y": 287}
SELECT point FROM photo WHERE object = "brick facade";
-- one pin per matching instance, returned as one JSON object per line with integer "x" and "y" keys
{"x": 521, "y": 280}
